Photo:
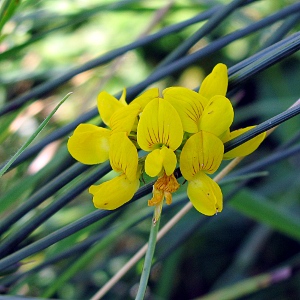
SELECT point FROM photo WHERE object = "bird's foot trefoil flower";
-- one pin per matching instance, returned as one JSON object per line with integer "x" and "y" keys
{"x": 182, "y": 128}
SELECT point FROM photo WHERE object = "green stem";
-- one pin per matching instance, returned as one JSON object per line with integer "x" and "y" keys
{"x": 148, "y": 260}
{"x": 7, "y": 10}
{"x": 33, "y": 136}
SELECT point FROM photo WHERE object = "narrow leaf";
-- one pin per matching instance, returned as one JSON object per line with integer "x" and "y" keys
{"x": 33, "y": 136}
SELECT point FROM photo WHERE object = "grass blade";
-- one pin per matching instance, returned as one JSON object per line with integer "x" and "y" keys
{"x": 33, "y": 136}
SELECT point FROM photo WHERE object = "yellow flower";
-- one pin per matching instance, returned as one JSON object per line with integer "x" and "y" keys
{"x": 120, "y": 116}
{"x": 211, "y": 111}
{"x": 207, "y": 110}
{"x": 201, "y": 154}
{"x": 123, "y": 158}
{"x": 207, "y": 115}
{"x": 157, "y": 125}
{"x": 160, "y": 131}
{"x": 89, "y": 143}
{"x": 247, "y": 147}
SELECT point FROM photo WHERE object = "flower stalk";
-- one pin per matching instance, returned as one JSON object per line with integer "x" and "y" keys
{"x": 148, "y": 260}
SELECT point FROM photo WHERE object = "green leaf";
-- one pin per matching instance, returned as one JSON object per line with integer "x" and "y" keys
{"x": 7, "y": 10}
{"x": 265, "y": 211}
{"x": 33, "y": 136}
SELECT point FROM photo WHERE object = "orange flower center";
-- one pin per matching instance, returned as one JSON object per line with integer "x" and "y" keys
{"x": 164, "y": 187}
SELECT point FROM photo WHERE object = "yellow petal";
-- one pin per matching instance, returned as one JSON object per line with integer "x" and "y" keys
{"x": 154, "y": 163}
{"x": 217, "y": 116}
{"x": 123, "y": 155}
{"x": 169, "y": 160}
{"x": 160, "y": 159}
{"x": 123, "y": 97}
{"x": 225, "y": 136}
{"x": 246, "y": 148}
{"x": 146, "y": 97}
{"x": 123, "y": 119}
{"x": 215, "y": 83}
{"x": 89, "y": 144}
{"x": 114, "y": 193}
{"x": 107, "y": 106}
{"x": 159, "y": 124}
{"x": 205, "y": 195}
{"x": 188, "y": 104}
{"x": 203, "y": 151}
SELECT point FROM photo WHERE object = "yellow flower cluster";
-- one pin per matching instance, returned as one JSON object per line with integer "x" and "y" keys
{"x": 182, "y": 128}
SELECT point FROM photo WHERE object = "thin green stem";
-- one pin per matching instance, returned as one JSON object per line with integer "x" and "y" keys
{"x": 217, "y": 18}
{"x": 251, "y": 285}
{"x": 148, "y": 260}
{"x": 7, "y": 10}
{"x": 87, "y": 256}
{"x": 50, "y": 85}
{"x": 262, "y": 127}
{"x": 14, "y": 239}
{"x": 33, "y": 136}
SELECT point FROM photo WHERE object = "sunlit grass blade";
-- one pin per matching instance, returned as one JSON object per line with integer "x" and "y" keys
{"x": 71, "y": 20}
{"x": 263, "y": 210}
{"x": 33, "y": 136}
{"x": 7, "y": 10}
{"x": 247, "y": 176}
{"x": 250, "y": 285}
{"x": 22, "y": 188}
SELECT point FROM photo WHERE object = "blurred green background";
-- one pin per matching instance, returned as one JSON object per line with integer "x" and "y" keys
{"x": 259, "y": 229}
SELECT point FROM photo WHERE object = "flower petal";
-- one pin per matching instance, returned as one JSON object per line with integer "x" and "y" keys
{"x": 246, "y": 148}
{"x": 169, "y": 160}
{"x": 203, "y": 151}
{"x": 159, "y": 124}
{"x": 215, "y": 83}
{"x": 123, "y": 97}
{"x": 188, "y": 104}
{"x": 160, "y": 159}
{"x": 89, "y": 144}
{"x": 107, "y": 106}
{"x": 154, "y": 163}
{"x": 123, "y": 155}
{"x": 205, "y": 194}
{"x": 123, "y": 119}
{"x": 114, "y": 193}
{"x": 145, "y": 97}
{"x": 217, "y": 116}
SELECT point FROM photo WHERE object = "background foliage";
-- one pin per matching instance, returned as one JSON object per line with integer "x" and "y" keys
{"x": 54, "y": 244}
